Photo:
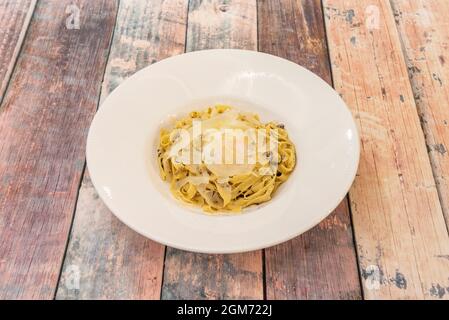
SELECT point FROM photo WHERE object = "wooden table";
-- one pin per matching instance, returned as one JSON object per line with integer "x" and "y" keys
{"x": 388, "y": 60}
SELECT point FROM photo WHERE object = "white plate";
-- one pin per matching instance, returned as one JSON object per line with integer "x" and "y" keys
{"x": 121, "y": 148}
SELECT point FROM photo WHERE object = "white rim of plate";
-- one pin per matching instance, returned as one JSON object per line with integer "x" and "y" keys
{"x": 96, "y": 180}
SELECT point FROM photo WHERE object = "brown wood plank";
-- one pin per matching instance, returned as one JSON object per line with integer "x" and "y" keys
{"x": 52, "y": 97}
{"x": 113, "y": 261}
{"x": 320, "y": 264}
{"x": 216, "y": 24}
{"x": 424, "y": 30}
{"x": 399, "y": 226}
{"x": 15, "y": 17}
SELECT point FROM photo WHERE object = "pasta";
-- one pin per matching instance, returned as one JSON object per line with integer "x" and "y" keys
{"x": 221, "y": 159}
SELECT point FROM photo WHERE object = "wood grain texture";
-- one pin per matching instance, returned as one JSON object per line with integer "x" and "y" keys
{"x": 216, "y": 24}
{"x": 424, "y": 29}
{"x": 113, "y": 261}
{"x": 52, "y": 97}
{"x": 320, "y": 264}
{"x": 399, "y": 226}
{"x": 15, "y": 17}
{"x": 226, "y": 24}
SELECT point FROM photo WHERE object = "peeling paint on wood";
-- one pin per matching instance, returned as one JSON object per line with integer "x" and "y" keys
{"x": 222, "y": 24}
{"x": 418, "y": 20}
{"x": 114, "y": 262}
{"x": 199, "y": 276}
{"x": 216, "y": 24}
{"x": 44, "y": 119}
{"x": 403, "y": 246}
{"x": 398, "y": 221}
{"x": 320, "y": 264}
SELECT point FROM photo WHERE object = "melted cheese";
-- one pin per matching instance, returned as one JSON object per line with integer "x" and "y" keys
{"x": 214, "y": 130}
{"x": 226, "y": 183}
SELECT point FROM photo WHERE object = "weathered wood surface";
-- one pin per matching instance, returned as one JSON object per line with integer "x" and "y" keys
{"x": 50, "y": 102}
{"x": 216, "y": 24}
{"x": 15, "y": 17}
{"x": 399, "y": 226}
{"x": 320, "y": 264}
{"x": 113, "y": 261}
{"x": 51, "y": 90}
{"x": 424, "y": 30}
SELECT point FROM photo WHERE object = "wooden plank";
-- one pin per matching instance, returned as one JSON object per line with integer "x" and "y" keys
{"x": 213, "y": 24}
{"x": 113, "y": 261}
{"x": 399, "y": 226}
{"x": 320, "y": 264}
{"x": 424, "y": 30}
{"x": 15, "y": 17}
{"x": 204, "y": 277}
{"x": 52, "y": 97}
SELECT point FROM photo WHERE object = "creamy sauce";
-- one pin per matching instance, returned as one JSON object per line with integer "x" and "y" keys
{"x": 214, "y": 146}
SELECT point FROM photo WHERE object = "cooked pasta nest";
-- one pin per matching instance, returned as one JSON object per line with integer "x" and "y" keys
{"x": 227, "y": 186}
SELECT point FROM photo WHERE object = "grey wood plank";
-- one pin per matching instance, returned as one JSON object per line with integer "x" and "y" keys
{"x": 105, "y": 258}
{"x": 44, "y": 117}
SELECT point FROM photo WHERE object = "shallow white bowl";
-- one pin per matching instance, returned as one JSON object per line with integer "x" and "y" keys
{"x": 121, "y": 148}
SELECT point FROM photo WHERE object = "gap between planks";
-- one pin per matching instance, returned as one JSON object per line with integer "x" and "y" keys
{"x": 83, "y": 171}
{"x": 6, "y": 76}
{"x": 423, "y": 30}
{"x": 399, "y": 251}
{"x": 115, "y": 262}
{"x": 321, "y": 263}
{"x": 43, "y": 124}
{"x": 216, "y": 24}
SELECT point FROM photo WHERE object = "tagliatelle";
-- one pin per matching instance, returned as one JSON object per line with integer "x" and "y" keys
{"x": 202, "y": 166}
